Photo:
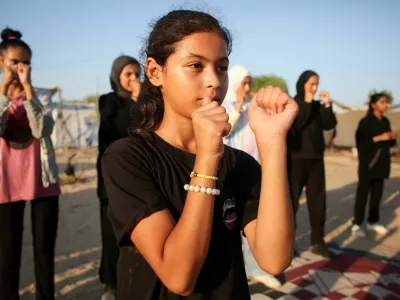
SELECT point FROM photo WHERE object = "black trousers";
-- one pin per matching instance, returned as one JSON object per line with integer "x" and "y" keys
{"x": 366, "y": 186}
{"x": 44, "y": 218}
{"x": 110, "y": 251}
{"x": 309, "y": 173}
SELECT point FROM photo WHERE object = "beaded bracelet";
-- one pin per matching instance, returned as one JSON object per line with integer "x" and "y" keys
{"x": 201, "y": 189}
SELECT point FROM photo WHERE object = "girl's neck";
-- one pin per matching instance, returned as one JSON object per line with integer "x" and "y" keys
{"x": 14, "y": 90}
{"x": 378, "y": 114}
{"x": 177, "y": 131}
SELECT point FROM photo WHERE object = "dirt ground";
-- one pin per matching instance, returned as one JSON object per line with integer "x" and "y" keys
{"x": 78, "y": 243}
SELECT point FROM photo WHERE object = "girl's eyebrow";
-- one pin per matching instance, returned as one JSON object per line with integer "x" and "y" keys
{"x": 204, "y": 58}
{"x": 16, "y": 61}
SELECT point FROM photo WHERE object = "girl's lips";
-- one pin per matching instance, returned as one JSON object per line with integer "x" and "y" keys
{"x": 212, "y": 98}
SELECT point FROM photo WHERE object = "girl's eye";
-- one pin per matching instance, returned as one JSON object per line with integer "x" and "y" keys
{"x": 222, "y": 68}
{"x": 196, "y": 66}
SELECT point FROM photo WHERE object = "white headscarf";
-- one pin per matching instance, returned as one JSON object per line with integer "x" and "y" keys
{"x": 236, "y": 75}
{"x": 242, "y": 137}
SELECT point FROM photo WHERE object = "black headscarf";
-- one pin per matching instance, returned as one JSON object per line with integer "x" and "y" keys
{"x": 304, "y": 77}
{"x": 118, "y": 65}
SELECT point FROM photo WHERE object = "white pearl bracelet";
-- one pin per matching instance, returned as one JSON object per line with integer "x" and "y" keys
{"x": 201, "y": 189}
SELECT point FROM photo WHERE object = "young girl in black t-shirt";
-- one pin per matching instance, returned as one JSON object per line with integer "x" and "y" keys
{"x": 179, "y": 198}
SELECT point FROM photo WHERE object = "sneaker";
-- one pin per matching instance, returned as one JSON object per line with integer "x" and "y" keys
{"x": 268, "y": 280}
{"x": 322, "y": 250}
{"x": 378, "y": 228}
{"x": 356, "y": 230}
{"x": 109, "y": 293}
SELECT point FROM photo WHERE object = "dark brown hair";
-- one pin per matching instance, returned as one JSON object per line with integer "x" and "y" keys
{"x": 166, "y": 32}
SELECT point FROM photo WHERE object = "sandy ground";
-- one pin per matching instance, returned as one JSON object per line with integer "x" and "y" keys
{"x": 78, "y": 243}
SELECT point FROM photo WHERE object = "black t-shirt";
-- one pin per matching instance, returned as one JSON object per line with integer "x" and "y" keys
{"x": 145, "y": 175}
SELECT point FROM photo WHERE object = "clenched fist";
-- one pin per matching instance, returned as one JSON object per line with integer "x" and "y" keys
{"x": 24, "y": 73}
{"x": 210, "y": 125}
{"x": 324, "y": 96}
{"x": 272, "y": 112}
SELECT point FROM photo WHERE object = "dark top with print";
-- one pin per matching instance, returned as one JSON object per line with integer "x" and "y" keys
{"x": 374, "y": 158}
{"x": 145, "y": 175}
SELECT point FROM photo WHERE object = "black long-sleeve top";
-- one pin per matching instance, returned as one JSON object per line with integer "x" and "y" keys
{"x": 116, "y": 114}
{"x": 306, "y": 139}
{"x": 373, "y": 157}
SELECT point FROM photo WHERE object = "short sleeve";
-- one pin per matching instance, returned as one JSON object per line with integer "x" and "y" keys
{"x": 132, "y": 190}
{"x": 249, "y": 185}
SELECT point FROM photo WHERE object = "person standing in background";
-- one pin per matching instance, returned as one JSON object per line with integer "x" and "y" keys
{"x": 306, "y": 155}
{"x": 242, "y": 137}
{"x": 116, "y": 109}
{"x": 374, "y": 137}
{"x": 28, "y": 171}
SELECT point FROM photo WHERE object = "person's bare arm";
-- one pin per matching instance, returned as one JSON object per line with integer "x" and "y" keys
{"x": 271, "y": 235}
{"x": 176, "y": 251}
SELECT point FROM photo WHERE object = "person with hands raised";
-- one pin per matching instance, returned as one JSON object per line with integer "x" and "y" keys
{"x": 117, "y": 110}
{"x": 179, "y": 198}
{"x": 374, "y": 138}
{"x": 306, "y": 155}
{"x": 28, "y": 170}
{"x": 237, "y": 104}
{"x": 18, "y": 72}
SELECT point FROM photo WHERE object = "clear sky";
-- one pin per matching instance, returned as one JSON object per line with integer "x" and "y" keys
{"x": 353, "y": 44}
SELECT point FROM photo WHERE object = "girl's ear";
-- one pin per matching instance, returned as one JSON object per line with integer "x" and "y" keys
{"x": 154, "y": 72}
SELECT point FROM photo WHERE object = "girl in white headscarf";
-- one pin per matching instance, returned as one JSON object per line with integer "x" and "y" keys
{"x": 237, "y": 105}
{"x": 242, "y": 137}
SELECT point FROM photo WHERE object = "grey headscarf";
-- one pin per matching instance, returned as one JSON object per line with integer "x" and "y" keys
{"x": 118, "y": 65}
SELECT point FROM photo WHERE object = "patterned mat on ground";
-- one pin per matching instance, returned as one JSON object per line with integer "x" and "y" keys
{"x": 350, "y": 275}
